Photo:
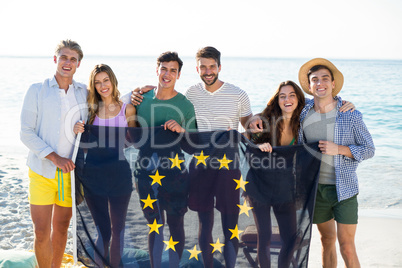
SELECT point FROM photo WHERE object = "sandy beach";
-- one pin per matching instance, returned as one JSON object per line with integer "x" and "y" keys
{"x": 378, "y": 234}
{"x": 378, "y": 240}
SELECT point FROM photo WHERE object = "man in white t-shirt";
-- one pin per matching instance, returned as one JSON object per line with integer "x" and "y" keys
{"x": 218, "y": 106}
{"x": 50, "y": 110}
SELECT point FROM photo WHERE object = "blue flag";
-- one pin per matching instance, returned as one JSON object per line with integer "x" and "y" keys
{"x": 150, "y": 196}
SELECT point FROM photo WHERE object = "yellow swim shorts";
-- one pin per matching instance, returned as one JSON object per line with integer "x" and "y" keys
{"x": 44, "y": 191}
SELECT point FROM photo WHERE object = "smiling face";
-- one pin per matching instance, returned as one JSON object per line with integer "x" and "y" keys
{"x": 103, "y": 85}
{"x": 168, "y": 73}
{"x": 287, "y": 100}
{"x": 321, "y": 84}
{"x": 67, "y": 63}
{"x": 208, "y": 70}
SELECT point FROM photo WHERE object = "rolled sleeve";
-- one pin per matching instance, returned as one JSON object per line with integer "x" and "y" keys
{"x": 364, "y": 147}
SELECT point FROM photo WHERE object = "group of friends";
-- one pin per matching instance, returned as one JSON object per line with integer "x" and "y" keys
{"x": 56, "y": 110}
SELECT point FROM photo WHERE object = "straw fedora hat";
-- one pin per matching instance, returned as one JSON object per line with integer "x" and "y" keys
{"x": 303, "y": 79}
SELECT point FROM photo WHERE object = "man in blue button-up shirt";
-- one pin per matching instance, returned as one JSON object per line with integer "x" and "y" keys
{"x": 344, "y": 141}
{"x": 49, "y": 112}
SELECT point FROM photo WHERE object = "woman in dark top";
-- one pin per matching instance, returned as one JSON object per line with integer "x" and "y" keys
{"x": 280, "y": 121}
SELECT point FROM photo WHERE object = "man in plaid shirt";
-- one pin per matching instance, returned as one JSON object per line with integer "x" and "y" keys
{"x": 344, "y": 141}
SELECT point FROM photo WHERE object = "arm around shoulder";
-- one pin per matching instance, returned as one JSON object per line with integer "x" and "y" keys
{"x": 136, "y": 94}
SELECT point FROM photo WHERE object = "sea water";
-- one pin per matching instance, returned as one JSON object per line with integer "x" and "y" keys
{"x": 374, "y": 86}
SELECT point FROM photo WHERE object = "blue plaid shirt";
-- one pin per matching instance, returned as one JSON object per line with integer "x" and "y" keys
{"x": 350, "y": 131}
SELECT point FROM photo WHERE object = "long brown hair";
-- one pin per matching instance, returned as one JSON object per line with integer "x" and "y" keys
{"x": 273, "y": 120}
{"x": 94, "y": 98}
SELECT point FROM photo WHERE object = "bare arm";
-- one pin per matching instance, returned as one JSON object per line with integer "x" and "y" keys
{"x": 265, "y": 147}
{"x": 64, "y": 164}
{"x": 136, "y": 95}
{"x": 330, "y": 148}
{"x": 131, "y": 115}
{"x": 256, "y": 125}
{"x": 172, "y": 125}
{"x": 345, "y": 150}
{"x": 362, "y": 146}
{"x": 245, "y": 121}
{"x": 347, "y": 106}
{"x": 79, "y": 127}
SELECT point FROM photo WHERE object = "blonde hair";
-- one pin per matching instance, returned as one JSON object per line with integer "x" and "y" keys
{"x": 94, "y": 98}
{"x": 70, "y": 45}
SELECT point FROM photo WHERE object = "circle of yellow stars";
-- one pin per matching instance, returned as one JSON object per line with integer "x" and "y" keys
{"x": 176, "y": 162}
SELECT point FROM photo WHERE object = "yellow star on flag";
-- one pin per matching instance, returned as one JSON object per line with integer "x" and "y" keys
{"x": 241, "y": 183}
{"x": 235, "y": 232}
{"x": 176, "y": 162}
{"x": 194, "y": 253}
{"x": 224, "y": 162}
{"x": 201, "y": 158}
{"x": 170, "y": 244}
{"x": 154, "y": 227}
{"x": 217, "y": 246}
{"x": 244, "y": 208}
{"x": 156, "y": 178}
{"x": 148, "y": 202}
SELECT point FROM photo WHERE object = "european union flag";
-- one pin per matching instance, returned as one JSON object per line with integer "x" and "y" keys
{"x": 143, "y": 193}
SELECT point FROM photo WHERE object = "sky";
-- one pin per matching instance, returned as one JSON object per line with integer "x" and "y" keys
{"x": 343, "y": 29}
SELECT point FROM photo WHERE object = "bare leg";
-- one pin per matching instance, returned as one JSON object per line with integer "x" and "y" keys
{"x": 118, "y": 213}
{"x": 229, "y": 221}
{"x": 328, "y": 239}
{"x": 262, "y": 218}
{"x": 42, "y": 218}
{"x": 346, "y": 237}
{"x": 206, "y": 221}
{"x": 176, "y": 227}
{"x": 61, "y": 221}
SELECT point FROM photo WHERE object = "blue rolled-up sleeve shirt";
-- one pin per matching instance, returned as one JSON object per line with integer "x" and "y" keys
{"x": 350, "y": 131}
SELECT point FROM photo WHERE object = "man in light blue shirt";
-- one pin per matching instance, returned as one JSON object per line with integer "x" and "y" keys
{"x": 49, "y": 112}
{"x": 344, "y": 141}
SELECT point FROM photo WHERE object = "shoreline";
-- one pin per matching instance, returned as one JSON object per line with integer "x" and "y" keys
{"x": 378, "y": 239}
{"x": 388, "y": 213}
